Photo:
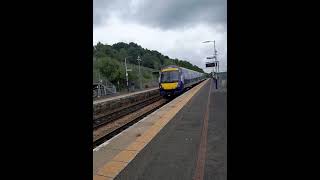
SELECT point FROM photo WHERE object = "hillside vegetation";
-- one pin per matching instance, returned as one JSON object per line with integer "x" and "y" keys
{"x": 108, "y": 62}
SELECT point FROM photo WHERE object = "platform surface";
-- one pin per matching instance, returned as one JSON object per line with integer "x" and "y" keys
{"x": 173, "y": 153}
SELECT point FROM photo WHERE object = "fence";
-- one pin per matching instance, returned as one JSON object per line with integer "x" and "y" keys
{"x": 103, "y": 88}
{"x": 149, "y": 78}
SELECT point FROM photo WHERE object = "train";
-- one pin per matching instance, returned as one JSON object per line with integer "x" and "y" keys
{"x": 173, "y": 80}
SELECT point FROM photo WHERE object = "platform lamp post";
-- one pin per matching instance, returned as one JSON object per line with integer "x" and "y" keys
{"x": 139, "y": 61}
{"x": 216, "y": 62}
{"x": 127, "y": 70}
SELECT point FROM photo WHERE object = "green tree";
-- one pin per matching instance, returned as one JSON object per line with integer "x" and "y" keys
{"x": 110, "y": 69}
{"x": 122, "y": 54}
{"x": 150, "y": 58}
{"x": 147, "y": 60}
{"x": 133, "y": 53}
{"x": 146, "y": 75}
{"x": 120, "y": 45}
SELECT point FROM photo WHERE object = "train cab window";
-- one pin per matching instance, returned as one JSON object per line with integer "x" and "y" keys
{"x": 169, "y": 76}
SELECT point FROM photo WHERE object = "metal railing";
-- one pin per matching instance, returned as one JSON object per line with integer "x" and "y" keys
{"x": 103, "y": 88}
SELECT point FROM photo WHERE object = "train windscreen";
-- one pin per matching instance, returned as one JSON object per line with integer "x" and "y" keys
{"x": 169, "y": 76}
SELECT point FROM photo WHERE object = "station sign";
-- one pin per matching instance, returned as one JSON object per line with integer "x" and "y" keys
{"x": 210, "y": 64}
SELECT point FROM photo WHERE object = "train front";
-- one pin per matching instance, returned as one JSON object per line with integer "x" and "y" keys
{"x": 170, "y": 83}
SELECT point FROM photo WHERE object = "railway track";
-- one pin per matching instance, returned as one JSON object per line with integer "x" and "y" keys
{"x": 122, "y": 111}
{"x": 109, "y": 125}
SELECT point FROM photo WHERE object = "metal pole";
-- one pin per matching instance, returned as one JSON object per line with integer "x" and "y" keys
{"x": 125, "y": 63}
{"x": 139, "y": 60}
{"x": 216, "y": 64}
{"x": 215, "y": 57}
{"x": 140, "y": 76}
{"x": 215, "y": 69}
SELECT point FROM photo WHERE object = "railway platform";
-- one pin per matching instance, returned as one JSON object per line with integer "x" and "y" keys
{"x": 184, "y": 139}
{"x": 122, "y": 96}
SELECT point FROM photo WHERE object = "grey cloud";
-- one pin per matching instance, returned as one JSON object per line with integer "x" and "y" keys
{"x": 102, "y": 9}
{"x": 168, "y": 14}
{"x": 165, "y": 14}
{"x": 197, "y": 55}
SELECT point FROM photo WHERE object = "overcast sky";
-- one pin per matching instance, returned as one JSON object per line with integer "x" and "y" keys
{"x": 175, "y": 28}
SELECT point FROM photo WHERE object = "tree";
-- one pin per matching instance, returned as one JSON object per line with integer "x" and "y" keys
{"x": 110, "y": 68}
{"x": 122, "y": 54}
{"x": 167, "y": 62}
{"x": 150, "y": 58}
{"x": 120, "y": 45}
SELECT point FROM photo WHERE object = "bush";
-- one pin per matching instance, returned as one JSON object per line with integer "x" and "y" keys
{"x": 111, "y": 69}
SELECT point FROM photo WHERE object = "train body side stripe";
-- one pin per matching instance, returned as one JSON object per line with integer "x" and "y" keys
{"x": 170, "y": 69}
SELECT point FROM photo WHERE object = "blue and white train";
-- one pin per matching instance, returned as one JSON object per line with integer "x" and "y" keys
{"x": 174, "y": 80}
